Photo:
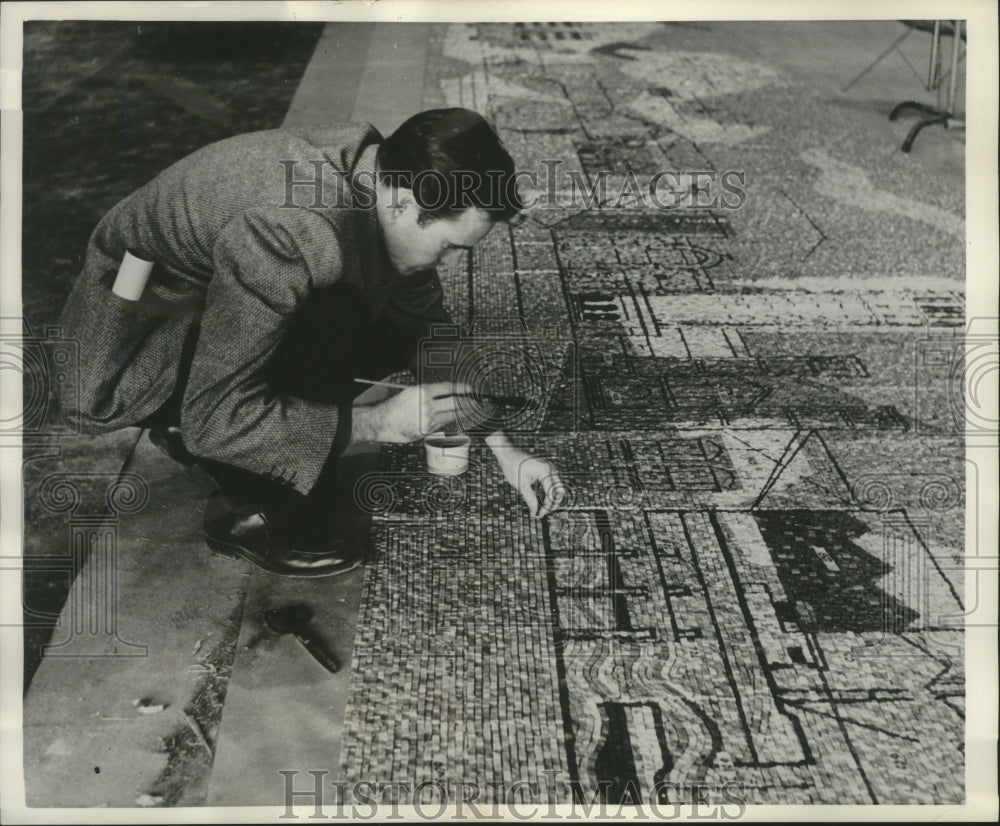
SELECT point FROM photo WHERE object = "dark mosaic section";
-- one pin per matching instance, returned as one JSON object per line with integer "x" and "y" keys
{"x": 832, "y": 581}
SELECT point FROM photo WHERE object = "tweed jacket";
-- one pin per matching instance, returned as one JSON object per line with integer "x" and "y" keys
{"x": 239, "y": 236}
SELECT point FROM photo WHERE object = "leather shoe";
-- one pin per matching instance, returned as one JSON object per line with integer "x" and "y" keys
{"x": 246, "y": 531}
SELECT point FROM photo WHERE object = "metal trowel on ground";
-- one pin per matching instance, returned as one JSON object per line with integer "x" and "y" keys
{"x": 294, "y": 619}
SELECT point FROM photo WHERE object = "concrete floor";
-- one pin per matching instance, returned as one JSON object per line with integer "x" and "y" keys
{"x": 241, "y": 705}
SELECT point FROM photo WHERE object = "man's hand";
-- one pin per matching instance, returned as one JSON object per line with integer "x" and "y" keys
{"x": 523, "y": 471}
{"x": 410, "y": 414}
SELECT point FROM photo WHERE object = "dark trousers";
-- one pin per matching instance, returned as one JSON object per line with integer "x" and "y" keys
{"x": 331, "y": 341}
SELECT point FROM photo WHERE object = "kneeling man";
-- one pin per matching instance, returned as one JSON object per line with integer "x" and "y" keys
{"x": 274, "y": 269}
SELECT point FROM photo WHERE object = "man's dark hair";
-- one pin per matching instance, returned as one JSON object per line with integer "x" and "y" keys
{"x": 452, "y": 159}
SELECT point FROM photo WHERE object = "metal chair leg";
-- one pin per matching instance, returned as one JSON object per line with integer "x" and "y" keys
{"x": 912, "y": 136}
{"x": 912, "y": 104}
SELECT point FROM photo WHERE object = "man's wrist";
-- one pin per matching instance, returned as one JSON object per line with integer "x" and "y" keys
{"x": 497, "y": 440}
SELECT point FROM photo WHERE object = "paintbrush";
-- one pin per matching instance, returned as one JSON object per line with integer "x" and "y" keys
{"x": 503, "y": 401}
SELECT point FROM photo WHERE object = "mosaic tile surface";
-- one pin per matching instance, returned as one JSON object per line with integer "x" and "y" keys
{"x": 755, "y": 576}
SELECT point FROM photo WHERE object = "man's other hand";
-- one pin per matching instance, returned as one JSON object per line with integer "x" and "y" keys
{"x": 524, "y": 472}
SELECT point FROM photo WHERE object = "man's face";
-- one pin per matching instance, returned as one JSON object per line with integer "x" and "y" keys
{"x": 412, "y": 246}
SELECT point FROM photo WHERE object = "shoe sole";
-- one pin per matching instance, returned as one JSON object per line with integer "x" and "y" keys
{"x": 236, "y": 552}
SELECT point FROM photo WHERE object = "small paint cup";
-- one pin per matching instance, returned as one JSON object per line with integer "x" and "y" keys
{"x": 447, "y": 455}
